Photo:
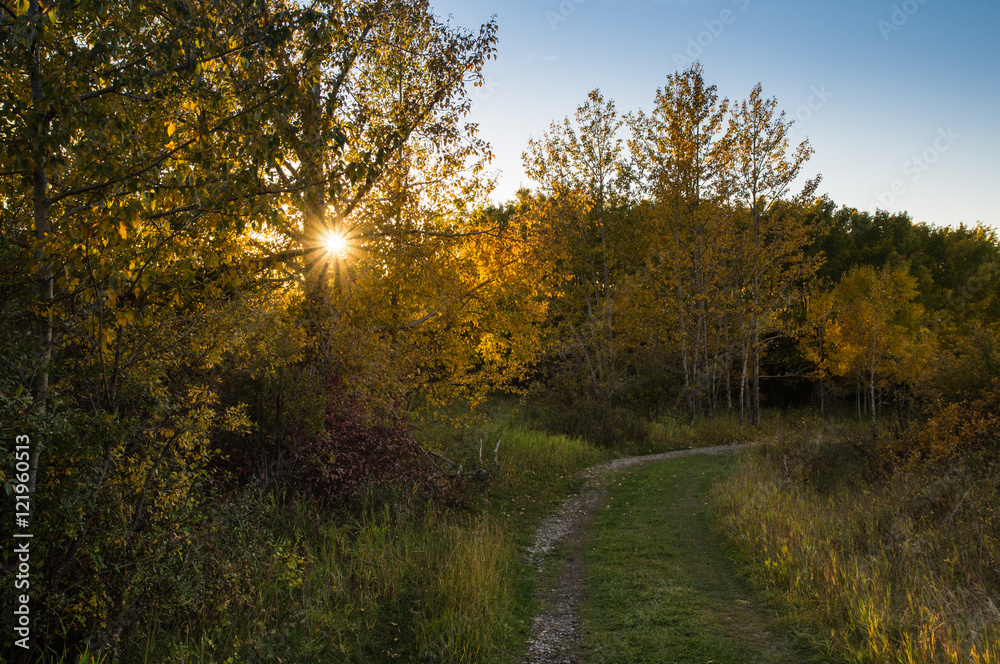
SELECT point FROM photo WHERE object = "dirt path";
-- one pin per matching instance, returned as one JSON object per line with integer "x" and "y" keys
{"x": 557, "y": 630}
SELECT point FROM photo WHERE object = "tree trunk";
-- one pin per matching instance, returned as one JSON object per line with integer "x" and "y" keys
{"x": 871, "y": 394}
{"x": 857, "y": 397}
{"x": 685, "y": 365}
{"x": 729, "y": 384}
{"x": 743, "y": 391}
{"x": 755, "y": 405}
{"x": 314, "y": 211}
{"x": 43, "y": 272}
{"x": 822, "y": 383}
{"x": 755, "y": 318}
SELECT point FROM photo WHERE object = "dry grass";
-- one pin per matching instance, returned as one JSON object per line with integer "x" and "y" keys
{"x": 906, "y": 570}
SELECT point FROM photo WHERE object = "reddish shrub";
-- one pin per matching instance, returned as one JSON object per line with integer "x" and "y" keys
{"x": 359, "y": 453}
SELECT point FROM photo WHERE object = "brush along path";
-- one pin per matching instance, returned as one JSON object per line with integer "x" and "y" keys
{"x": 557, "y": 630}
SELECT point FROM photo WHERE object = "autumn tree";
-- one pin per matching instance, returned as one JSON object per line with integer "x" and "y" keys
{"x": 376, "y": 157}
{"x": 381, "y": 87}
{"x": 873, "y": 330}
{"x": 761, "y": 171}
{"x": 678, "y": 150}
{"x": 165, "y": 173}
{"x": 585, "y": 186}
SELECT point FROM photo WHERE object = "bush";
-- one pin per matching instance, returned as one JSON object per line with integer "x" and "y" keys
{"x": 966, "y": 433}
{"x": 359, "y": 455}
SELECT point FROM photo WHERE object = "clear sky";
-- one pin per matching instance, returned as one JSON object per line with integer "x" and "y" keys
{"x": 899, "y": 98}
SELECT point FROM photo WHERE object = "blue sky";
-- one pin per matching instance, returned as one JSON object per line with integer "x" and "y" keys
{"x": 899, "y": 98}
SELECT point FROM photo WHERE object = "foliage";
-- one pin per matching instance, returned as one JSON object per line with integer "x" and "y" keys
{"x": 872, "y": 327}
{"x": 603, "y": 424}
{"x": 963, "y": 413}
{"x": 680, "y": 258}
{"x": 383, "y": 584}
{"x": 358, "y": 455}
{"x": 588, "y": 242}
{"x": 955, "y": 267}
{"x": 155, "y": 250}
{"x": 208, "y": 209}
{"x": 682, "y": 157}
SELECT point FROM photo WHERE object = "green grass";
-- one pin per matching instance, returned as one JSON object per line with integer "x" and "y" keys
{"x": 670, "y": 432}
{"x": 660, "y": 586}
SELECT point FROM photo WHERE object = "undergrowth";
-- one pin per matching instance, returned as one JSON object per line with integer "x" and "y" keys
{"x": 406, "y": 580}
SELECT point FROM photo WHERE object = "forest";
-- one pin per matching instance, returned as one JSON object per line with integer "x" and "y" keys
{"x": 296, "y": 389}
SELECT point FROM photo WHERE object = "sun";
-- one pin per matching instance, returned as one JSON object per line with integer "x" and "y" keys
{"x": 335, "y": 243}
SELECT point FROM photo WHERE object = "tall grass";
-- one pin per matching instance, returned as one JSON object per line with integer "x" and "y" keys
{"x": 905, "y": 570}
{"x": 531, "y": 456}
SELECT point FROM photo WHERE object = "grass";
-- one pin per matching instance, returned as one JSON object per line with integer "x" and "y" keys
{"x": 660, "y": 586}
{"x": 396, "y": 584}
{"x": 903, "y": 569}
{"x": 537, "y": 471}
{"x": 669, "y": 432}
{"x": 389, "y": 585}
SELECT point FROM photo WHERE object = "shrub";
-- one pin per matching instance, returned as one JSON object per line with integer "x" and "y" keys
{"x": 360, "y": 454}
{"x": 966, "y": 433}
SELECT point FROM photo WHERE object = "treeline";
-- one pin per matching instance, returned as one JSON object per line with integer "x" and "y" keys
{"x": 682, "y": 253}
{"x": 246, "y": 244}
{"x": 697, "y": 270}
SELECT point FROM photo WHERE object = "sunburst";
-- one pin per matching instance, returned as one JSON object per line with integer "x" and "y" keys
{"x": 336, "y": 244}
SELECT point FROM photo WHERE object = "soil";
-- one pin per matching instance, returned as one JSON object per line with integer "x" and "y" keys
{"x": 557, "y": 630}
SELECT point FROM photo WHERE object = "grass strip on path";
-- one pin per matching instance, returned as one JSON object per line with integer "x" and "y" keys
{"x": 659, "y": 586}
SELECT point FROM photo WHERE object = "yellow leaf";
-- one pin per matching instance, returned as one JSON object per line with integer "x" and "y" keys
{"x": 122, "y": 230}
{"x": 171, "y": 128}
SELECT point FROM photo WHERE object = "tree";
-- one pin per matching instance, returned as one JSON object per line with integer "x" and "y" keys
{"x": 760, "y": 176}
{"x": 679, "y": 150}
{"x": 584, "y": 189}
{"x": 166, "y": 170}
{"x": 873, "y": 332}
{"x": 379, "y": 84}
